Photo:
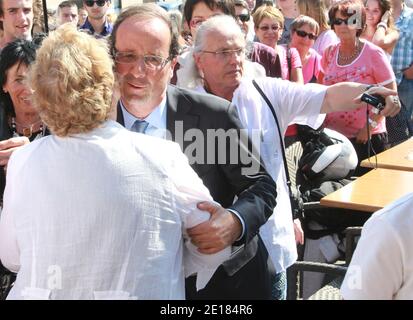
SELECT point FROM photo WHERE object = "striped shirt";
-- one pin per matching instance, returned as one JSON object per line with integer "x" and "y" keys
{"x": 402, "y": 57}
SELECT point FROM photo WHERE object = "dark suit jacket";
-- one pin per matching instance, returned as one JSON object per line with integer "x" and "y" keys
{"x": 249, "y": 272}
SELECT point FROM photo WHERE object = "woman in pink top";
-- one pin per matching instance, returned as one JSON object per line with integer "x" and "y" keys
{"x": 304, "y": 31}
{"x": 359, "y": 61}
{"x": 269, "y": 23}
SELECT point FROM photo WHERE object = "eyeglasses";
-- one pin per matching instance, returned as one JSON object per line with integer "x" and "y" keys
{"x": 226, "y": 54}
{"x": 339, "y": 22}
{"x": 90, "y": 3}
{"x": 196, "y": 22}
{"x": 274, "y": 27}
{"x": 304, "y": 34}
{"x": 244, "y": 17}
{"x": 150, "y": 61}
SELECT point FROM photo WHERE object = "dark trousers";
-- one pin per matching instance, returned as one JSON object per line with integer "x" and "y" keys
{"x": 378, "y": 144}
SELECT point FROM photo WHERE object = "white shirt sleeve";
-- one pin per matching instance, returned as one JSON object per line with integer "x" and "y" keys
{"x": 9, "y": 249}
{"x": 189, "y": 191}
{"x": 296, "y": 103}
{"x": 292, "y": 102}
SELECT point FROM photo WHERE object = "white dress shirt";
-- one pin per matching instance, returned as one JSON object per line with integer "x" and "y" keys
{"x": 102, "y": 215}
{"x": 382, "y": 265}
{"x": 156, "y": 120}
{"x": 293, "y": 104}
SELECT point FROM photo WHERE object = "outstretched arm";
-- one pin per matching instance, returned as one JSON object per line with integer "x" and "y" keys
{"x": 346, "y": 96}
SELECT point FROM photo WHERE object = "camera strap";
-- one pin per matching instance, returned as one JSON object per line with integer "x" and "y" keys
{"x": 287, "y": 175}
{"x": 369, "y": 143}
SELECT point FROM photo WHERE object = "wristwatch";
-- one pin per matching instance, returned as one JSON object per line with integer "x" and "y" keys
{"x": 382, "y": 24}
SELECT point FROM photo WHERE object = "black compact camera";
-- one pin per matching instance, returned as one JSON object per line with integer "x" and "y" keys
{"x": 375, "y": 100}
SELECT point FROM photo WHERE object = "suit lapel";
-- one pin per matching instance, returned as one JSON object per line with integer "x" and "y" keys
{"x": 180, "y": 116}
{"x": 119, "y": 114}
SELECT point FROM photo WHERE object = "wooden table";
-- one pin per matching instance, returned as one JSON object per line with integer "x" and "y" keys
{"x": 372, "y": 191}
{"x": 399, "y": 157}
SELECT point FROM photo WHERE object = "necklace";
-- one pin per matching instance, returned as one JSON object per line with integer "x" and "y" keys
{"x": 351, "y": 57}
{"x": 27, "y": 130}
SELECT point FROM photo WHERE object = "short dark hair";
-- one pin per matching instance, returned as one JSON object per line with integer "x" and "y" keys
{"x": 66, "y": 4}
{"x": 349, "y": 8}
{"x": 226, "y": 6}
{"x": 1, "y": 14}
{"x": 146, "y": 10}
{"x": 19, "y": 51}
{"x": 1, "y": 8}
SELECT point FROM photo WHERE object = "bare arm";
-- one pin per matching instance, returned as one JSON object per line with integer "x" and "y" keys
{"x": 297, "y": 75}
{"x": 346, "y": 96}
{"x": 385, "y": 40}
{"x": 383, "y": 37}
{"x": 320, "y": 77}
{"x": 408, "y": 73}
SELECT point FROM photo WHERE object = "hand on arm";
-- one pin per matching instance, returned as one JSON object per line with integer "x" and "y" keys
{"x": 220, "y": 231}
{"x": 408, "y": 73}
{"x": 7, "y": 147}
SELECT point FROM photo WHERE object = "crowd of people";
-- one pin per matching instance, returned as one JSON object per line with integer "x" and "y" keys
{"x": 141, "y": 163}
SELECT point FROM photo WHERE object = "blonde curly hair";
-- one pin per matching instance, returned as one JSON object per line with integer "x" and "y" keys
{"x": 72, "y": 79}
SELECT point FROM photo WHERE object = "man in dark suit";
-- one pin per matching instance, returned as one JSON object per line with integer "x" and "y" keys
{"x": 209, "y": 132}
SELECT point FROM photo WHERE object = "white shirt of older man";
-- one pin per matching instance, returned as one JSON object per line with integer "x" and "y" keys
{"x": 293, "y": 104}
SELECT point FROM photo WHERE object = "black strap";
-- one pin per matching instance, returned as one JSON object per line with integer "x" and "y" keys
{"x": 281, "y": 139}
{"x": 289, "y": 64}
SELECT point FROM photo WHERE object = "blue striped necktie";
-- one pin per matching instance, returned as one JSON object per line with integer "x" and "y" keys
{"x": 139, "y": 126}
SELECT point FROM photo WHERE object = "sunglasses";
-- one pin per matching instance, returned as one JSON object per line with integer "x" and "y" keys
{"x": 266, "y": 28}
{"x": 244, "y": 17}
{"x": 90, "y": 3}
{"x": 303, "y": 34}
{"x": 338, "y": 22}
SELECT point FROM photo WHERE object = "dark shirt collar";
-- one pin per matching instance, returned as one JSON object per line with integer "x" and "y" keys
{"x": 107, "y": 28}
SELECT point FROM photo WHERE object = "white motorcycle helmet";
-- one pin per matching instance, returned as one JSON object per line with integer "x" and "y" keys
{"x": 329, "y": 162}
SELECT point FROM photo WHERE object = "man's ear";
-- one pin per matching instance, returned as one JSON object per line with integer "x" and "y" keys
{"x": 199, "y": 64}
{"x": 172, "y": 66}
{"x": 198, "y": 61}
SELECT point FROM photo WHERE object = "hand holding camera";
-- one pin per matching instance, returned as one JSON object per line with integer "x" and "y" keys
{"x": 374, "y": 100}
